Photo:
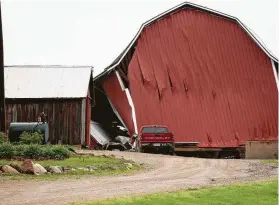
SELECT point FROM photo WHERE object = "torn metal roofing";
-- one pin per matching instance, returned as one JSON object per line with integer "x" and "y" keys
{"x": 184, "y": 5}
{"x": 47, "y": 81}
{"x": 99, "y": 133}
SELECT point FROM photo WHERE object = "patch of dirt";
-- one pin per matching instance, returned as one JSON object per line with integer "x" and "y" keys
{"x": 162, "y": 173}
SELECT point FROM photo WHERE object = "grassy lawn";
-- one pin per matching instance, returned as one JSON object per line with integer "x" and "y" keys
{"x": 270, "y": 161}
{"x": 265, "y": 193}
{"x": 105, "y": 166}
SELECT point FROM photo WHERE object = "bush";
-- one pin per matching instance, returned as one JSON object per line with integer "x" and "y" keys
{"x": 3, "y": 137}
{"x": 31, "y": 138}
{"x": 6, "y": 150}
{"x": 59, "y": 152}
{"x": 19, "y": 150}
{"x": 33, "y": 151}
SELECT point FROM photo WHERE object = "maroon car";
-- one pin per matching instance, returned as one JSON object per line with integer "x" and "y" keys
{"x": 156, "y": 139}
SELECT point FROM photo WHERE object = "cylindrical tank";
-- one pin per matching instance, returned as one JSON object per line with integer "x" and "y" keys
{"x": 16, "y": 128}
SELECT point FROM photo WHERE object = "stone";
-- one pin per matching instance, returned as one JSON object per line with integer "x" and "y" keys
{"x": 39, "y": 169}
{"x": 55, "y": 170}
{"x": 92, "y": 168}
{"x": 1, "y": 173}
{"x": 112, "y": 156}
{"x": 66, "y": 168}
{"x": 9, "y": 170}
{"x": 129, "y": 165}
{"x": 16, "y": 166}
{"x": 27, "y": 167}
{"x": 60, "y": 168}
{"x": 83, "y": 168}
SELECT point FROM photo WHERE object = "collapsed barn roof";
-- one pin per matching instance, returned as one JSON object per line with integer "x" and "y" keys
{"x": 184, "y": 5}
{"x": 50, "y": 81}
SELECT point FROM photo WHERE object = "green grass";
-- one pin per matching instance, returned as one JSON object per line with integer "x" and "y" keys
{"x": 264, "y": 193}
{"x": 104, "y": 165}
{"x": 270, "y": 161}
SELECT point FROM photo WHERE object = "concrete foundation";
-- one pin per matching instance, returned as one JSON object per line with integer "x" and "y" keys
{"x": 261, "y": 150}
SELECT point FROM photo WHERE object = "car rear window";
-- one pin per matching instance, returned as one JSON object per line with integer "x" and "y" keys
{"x": 146, "y": 130}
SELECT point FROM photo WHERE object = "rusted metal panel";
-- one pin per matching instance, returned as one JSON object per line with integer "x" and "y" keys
{"x": 65, "y": 117}
{"x": 204, "y": 78}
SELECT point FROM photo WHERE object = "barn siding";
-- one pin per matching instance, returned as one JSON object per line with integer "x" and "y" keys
{"x": 204, "y": 78}
{"x": 65, "y": 115}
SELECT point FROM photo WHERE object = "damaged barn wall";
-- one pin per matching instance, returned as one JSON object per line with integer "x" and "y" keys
{"x": 204, "y": 78}
{"x": 119, "y": 99}
{"x": 65, "y": 115}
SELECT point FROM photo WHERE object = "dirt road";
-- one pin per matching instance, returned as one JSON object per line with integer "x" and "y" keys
{"x": 163, "y": 173}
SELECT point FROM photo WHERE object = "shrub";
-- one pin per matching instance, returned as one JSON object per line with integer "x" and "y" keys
{"x": 33, "y": 151}
{"x": 31, "y": 138}
{"x": 19, "y": 150}
{"x": 3, "y": 137}
{"x": 6, "y": 150}
{"x": 59, "y": 152}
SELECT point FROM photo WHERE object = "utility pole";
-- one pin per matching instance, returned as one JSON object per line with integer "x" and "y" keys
{"x": 2, "y": 84}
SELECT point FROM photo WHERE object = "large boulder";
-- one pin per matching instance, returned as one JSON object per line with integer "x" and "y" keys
{"x": 8, "y": 169}
{"x": 27, "y": 167}
{"x": 16, "y": 166}
{"x": 39, "y": 169}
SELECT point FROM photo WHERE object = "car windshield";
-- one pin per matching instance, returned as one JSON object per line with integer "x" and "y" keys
{"x": 146, "y": 130}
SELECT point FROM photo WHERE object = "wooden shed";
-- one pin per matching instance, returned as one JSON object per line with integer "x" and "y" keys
{"x": 63, "y": 93}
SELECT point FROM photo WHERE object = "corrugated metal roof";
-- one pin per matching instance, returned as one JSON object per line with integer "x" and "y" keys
{"x": 99, "y": 133}
{"x": 47, "y": 81}
{"x": 117, "y": 61}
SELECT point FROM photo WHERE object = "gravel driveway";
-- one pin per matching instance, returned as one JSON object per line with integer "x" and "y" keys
{"x": 163, "y": 173}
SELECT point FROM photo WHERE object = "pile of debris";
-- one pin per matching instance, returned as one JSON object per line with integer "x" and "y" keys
{"x": 115, "y": 138}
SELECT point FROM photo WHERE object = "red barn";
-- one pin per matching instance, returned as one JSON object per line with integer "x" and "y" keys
{"x": 200, "y": 72}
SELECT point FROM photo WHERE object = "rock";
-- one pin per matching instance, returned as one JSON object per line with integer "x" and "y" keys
{"x": 129, "y": 165}
{"x": 55, "y": 169}
{"x": 1, "y": 173}
{"x": 8, "y": 169}
{"x": 39, "y": 169}
{"x": 112, "y": 156}
{"x": 16, "y": 166}
{"x": 83, "y": 168}
{"x": 110, "y": 167}
{"x": 60, "y": 168}
{"x": 92, "y": 168}
{"x": 27, "y": 167}
{"x": 66, "y": 168}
